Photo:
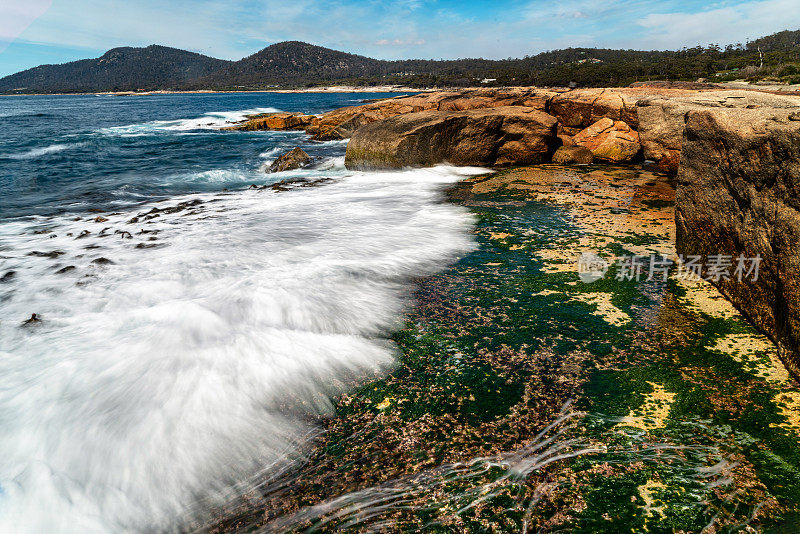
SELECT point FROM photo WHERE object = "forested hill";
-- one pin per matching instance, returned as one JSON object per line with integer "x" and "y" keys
{"x": 119, "y": 69}
{"x": 292, "y": 62}
{"x": 296, "y": 64}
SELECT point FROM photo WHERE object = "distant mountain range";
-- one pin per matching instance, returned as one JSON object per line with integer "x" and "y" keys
{"x": 298, "y": 64}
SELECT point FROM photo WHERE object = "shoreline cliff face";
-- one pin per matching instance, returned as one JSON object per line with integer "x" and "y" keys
{"x": 739, "y": 194}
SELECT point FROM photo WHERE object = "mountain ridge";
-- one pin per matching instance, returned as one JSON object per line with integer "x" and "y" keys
{"x": 297, "y": 64}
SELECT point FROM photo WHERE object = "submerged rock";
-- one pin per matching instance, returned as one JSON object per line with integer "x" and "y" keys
{"x": 739, "y": 195}
{"x": 608, "y": 140}
{"x": 512, "y": 135}
{"x": 34, "y": 320}
{"x": 573, "y": 154}
{"x": 294, "y": 159}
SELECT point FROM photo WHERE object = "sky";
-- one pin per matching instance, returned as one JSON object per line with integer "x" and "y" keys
{"x": 34, "y": 32}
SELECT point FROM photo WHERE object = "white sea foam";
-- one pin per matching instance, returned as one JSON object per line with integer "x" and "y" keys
{"x": 162, "y": 384}
{"x": 210, "y": 121}
{"x": 44, "y": 151}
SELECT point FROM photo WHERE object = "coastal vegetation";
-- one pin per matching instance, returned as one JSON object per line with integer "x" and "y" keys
{"x": 294, "y": 64}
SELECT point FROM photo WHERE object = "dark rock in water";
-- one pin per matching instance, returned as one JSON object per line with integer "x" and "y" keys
{"x": 8, "y": 277}
{"x": 287, "y": 185}
{"x": 739, "y": 194}
{"x": 794, "y": 116}
{"x": 572, "y": 155}
{"x": 52, "y": 254}
{"x": 511, "y": 135}
{"x": 294, "y": 159}
{"x": 34, "y": 320}
{"x": 103, "y": 261}
{"x": 66, "y": 269}
{"x": 85, "y": 233}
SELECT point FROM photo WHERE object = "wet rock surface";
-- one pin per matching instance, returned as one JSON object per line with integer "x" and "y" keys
{"x": 294, "y": 159}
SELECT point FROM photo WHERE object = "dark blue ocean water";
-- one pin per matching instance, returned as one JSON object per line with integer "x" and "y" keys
{"x": 72, "y": 153}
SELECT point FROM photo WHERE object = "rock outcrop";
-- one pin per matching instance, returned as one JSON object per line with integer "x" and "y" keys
{"x": 580, "y": 108}
{"x": 341, "y": 123}
{"x": 276, "y": 121}
{"x": 568, "y": 155}
{"x": 485, "y": 137}
{"x": 662, "y": 119}
{"x": 609, "y": 140}
{"x": 294, "y": 159}
{"x": 739, "y": 194}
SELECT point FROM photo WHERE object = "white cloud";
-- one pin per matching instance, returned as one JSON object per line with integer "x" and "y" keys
{"x": 16, "y": 15}
{"x": 722, "y": 25}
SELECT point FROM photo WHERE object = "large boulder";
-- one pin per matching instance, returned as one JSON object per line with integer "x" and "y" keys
{"x": 609, "y": 140}
{"x": 512, "y": 135}
{"x": 294, "y": 159}
{"x": 738, "y": 194}
{"x": 275, "y": 121}
{"x": 662, "y": 119}
{"x": 580, "y": 108}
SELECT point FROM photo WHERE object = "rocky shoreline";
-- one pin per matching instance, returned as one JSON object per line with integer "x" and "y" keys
{"x": 736, "y": 154}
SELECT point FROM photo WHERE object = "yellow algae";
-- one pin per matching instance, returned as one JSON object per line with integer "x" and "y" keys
{"x": 789, "y": 404}
{"x": 654, "y": 412}
{"x": 499, "y": 235}
{"x": 703, "y": 297}
{"x": 604, "y": 308}
{"x": 385, "y": 403}
{"x": 755, "y": 351}
{"x": 646, "y": 491}
{"x": 545, "y": 292}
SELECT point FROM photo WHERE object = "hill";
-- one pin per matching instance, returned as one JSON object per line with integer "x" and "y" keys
{"x": 296, "y": 64}
{"x": 291, "y": 62}
{"x": 119, "y": 69}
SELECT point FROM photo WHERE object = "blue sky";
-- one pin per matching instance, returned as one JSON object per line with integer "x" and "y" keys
{"x": 33, "y": 32}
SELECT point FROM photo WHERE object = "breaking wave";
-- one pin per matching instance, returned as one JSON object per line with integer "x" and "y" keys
{"x": 181, "y": 349}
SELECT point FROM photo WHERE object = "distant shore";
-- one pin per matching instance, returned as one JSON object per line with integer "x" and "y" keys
{"x": 737, "y": 84}
{"x": 328, "y": 89}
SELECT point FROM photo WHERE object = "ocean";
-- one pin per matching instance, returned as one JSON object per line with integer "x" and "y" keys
{"x": 189, "y": 330}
